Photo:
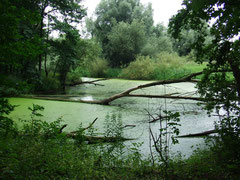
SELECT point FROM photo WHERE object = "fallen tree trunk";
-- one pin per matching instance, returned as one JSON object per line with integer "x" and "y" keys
{"x": 127, "y": 92}
{"x": 205, "y": 133}
{"x": 166, "y": 97}
{"x": 93, "y": 139}
{"x": 100, "y": 139}
{"x": 87, "y": 82}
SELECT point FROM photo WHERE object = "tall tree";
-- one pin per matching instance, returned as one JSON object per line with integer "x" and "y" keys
{"x": 51, "y": 12}
{"x": 20, "y": 44}
{"x": 221, "y": 89}
{"x": 65, "y": 49}
{"x": 112, "y": 12}
{"x": 158, "y": 41}
{"x": 125, "y": 42}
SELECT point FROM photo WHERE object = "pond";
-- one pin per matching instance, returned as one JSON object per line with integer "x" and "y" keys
{"x": 133, "y": 111}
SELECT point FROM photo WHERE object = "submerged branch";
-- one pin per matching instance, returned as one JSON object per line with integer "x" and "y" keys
{"x": 205, "y": 133}
{"x": 83, "y": 129}
{"x": 87, "y": 82}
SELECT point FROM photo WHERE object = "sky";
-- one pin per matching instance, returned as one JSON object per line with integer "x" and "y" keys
{"x": 163, "y": 10}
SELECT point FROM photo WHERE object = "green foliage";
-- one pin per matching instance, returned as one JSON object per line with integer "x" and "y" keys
{"x": 113, "y": 125}
{"x": 66, "y": 51}
{"x": 142, "y": 68}
{"x": 157, "y": 42}
{"x": 20, "y": 45}
{"x": 6, "y": 124}
{"x": 13, "y": 86}
{"x": 164, "y": 66}
{"x": 98, "y": 67}
{"x": 25, "y": 40}
{"x": 125, "y": 42}
{"x": 113, "y": 72}
{"x": 222, "y": 53}
{"x": 121, "y": 24}
{"x": 202, "y": 164}
{"x": 48, "y": 85}
{"x": 169, "y": 66}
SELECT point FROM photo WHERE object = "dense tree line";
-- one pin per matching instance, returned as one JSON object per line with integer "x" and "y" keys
{"x": 126, "y": 29}
{"x": 25, "y": 37}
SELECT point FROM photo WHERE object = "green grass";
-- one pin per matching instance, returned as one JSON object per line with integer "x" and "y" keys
{"x": 194, "y": 67}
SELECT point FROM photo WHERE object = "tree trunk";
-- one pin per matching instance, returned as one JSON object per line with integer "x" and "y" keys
{"x": 127, "y": 92}
{"x": 236, "y": 74}
{"x": 205, "y": 133}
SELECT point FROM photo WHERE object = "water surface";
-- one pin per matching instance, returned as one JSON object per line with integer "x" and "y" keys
{"x": 133, "y": 110}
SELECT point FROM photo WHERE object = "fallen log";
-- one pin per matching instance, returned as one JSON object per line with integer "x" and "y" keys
{"x": 205, "y": 133}
{"x": 94, "y": 139}
{"x": 129, "y": 126}
{"x": 100, "y": 139}
{"x": 127, "y": 92}
{"x": 83, "y": 129}
{"x": 87, "y": 82}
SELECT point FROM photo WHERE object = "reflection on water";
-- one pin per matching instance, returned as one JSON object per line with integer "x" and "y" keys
{"x": 84, "y": 98}
{"x": 132, "y": 109}
{"x": 87, "y": 98}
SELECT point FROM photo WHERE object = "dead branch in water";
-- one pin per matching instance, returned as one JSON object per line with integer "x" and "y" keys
{"x": 126, "y": 93}
{"x": 87, "y": 82}
{"x": 83, "y": 129}
{"x": 94, "y": 139}
{"x": 154, "y": 118}
{"x": 205, "y": 133}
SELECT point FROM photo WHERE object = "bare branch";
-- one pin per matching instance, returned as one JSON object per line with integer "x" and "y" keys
{"x": 205, "y": 133}
{"x": 83, "y": 129}
{"x": 87, "y": 82}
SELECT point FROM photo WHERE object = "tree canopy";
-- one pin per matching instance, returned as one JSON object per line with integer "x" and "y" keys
{"x": 126, "y": 15}
{"x": 25, "y": 29}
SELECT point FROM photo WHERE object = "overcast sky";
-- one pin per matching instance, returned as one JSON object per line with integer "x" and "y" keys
{"x": 163, "y": 9}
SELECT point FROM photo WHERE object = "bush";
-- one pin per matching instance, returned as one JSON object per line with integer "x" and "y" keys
{"x": 169, "y": 66}
{"x": 48, "y": 84}
{"x": 13, "y": 86}
{"x": 141, "y": 69}
{"x": 164, "y": 66}
{"x": 113, "y": 72}
{"x": 98, "y": 67}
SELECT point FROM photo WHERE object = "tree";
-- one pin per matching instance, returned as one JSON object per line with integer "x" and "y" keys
{"x": 125, "y": 42}
{"x": 110, "y": 13}
{"x": 158, "y": 41}
{"x": 51, "y": 13}
{"x": 20, "y": 45}
{"x": 25, "y": 29}
{"x": 221, "y": 89}
{"x": 66, "y": 51}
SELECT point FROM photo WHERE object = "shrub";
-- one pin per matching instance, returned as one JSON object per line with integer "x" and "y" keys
{"x": 98, "y": 67}
{"x": 141, "y": 69}
{"x": 169, "y": 66}
{"x": 47, "y": 85}
{"x": 13, "y": 86}
{"x": 113, "y": 72}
